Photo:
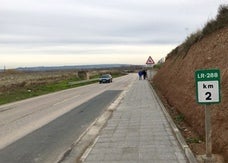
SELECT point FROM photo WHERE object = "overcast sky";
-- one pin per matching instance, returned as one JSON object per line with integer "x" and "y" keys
{"x": 78, "y": 32}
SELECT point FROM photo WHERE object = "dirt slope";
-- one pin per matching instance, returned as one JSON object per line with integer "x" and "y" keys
{"x": 175, "y": 80}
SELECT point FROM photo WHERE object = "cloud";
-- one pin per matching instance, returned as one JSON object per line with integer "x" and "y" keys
{"x": 57, "y": 23}
{"x": 80, "y": 55}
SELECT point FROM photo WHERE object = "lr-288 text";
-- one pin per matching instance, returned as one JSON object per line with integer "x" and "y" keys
{"x": 212, "y": 75}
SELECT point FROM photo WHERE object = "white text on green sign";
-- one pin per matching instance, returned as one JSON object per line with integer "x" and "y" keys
{"x": 208, "y": 86}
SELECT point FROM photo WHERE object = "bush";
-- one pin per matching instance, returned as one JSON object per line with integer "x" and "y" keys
{"x": 193, "y": 140}
{"x": 179, "y": 118}
{"x": 158, "y": 66}
{"x": 192, "y": 39}
{"x": 221, "y": 21}
{"x": 211, "y": 26}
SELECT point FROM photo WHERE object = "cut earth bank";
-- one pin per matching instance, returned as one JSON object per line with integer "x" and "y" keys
{"x": 176, "y": 84}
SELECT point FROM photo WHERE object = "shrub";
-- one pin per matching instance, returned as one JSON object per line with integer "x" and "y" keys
{"x": 193, "y": 140}
{"x": 179, "y": 118}
{"x": 211, "y": 26}
{"x": 172, "y": 53}
{"x": 158, "y": 66}
{"x": 190, "y": 40}
{"x": 221, "y": 21}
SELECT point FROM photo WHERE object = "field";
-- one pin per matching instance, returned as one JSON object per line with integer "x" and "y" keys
{"x": 17, "y": 85}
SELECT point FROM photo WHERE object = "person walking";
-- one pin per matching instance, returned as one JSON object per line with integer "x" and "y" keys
{"x": 144, "y": 74}
{"x": 140, "y": 75}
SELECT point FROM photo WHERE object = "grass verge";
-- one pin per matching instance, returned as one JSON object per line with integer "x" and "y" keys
{"x": 37, "y": 90}
{"x": 24, "y": 92}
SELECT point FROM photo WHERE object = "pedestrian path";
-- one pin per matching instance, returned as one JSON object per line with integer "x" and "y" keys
{"x": 137, "y": 132}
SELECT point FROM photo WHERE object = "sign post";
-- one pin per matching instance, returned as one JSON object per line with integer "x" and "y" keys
{"x": 150, "y": 62}
{"x": 208, "y": 92}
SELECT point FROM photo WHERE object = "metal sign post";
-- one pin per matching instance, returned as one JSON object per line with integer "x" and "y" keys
{"x": 208, "y": 132}
{"x": 208, "y": 92}
{"x": 150, "y": 62}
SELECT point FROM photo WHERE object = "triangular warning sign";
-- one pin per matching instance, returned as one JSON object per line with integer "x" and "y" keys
{"x": 150, "y": 61}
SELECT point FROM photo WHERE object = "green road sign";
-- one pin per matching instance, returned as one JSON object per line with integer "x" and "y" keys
{"x": 208, "y": 86}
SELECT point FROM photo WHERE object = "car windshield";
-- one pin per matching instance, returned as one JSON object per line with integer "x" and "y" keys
{"x": 105, "y": 76}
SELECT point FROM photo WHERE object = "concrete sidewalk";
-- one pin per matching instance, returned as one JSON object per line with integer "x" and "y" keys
{"x": 137, "y": 132}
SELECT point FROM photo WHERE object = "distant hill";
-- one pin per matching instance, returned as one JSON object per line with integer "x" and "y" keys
{"x": 77, "y": 67}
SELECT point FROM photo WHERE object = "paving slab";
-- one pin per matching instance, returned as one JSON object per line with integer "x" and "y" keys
{"x": 137, "y": 132}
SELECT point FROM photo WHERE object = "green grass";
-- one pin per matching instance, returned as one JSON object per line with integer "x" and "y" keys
{"x": 25, "y": 92}
{"x": 179, "y": 118}
{"x": 158, "y": 66}
{"x": 192, "y": 140}
{"x": 37, "y": 90}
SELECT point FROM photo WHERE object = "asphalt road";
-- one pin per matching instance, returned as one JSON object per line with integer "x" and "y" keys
{"x": 42, "y": 128}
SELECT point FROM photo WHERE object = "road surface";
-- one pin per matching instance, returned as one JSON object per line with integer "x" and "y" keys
{"x": 42, "y": 128}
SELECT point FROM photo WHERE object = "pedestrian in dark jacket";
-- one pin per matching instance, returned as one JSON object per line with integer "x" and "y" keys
{"x": 140, "y": 75}
{"x": 144, "y": 74}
